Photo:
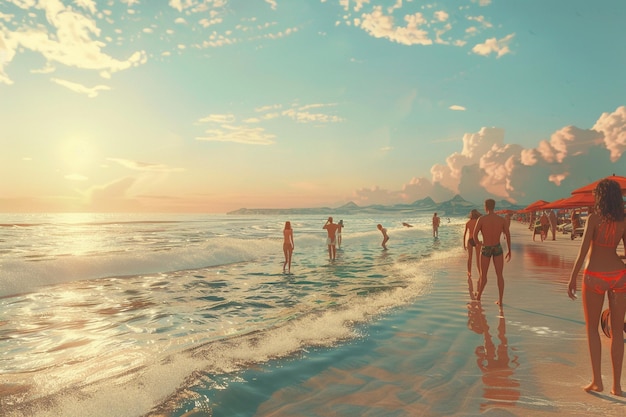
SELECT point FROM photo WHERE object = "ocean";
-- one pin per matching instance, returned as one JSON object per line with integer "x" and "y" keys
{"x": 195, "y": 304}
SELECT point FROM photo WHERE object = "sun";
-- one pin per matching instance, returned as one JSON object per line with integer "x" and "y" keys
{"x": 77, "y": 154}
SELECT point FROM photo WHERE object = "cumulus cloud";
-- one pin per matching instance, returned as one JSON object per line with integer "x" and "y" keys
{"x": 72, "y": 40}
{"x": 613, "y": 128}
{"x": 487, "y": 167}
{"x": 500, "y": 47}
{"x": 380, "y": 25}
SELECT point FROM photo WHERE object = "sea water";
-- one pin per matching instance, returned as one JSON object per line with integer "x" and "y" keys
{"x": 93, "y": 300}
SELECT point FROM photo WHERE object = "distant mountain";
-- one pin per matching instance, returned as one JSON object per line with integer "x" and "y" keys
{"x": 456, "y": 206}
{"x": 425, "y": 202}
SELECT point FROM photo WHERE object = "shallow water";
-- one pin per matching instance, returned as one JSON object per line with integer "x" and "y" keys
{"x": 89, "y": 301}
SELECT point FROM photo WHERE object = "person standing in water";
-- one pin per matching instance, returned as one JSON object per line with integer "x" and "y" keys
{"x": 288, "y": 246}
{"x": 436, "y": 222}
{"x": 385, "y": 237}
{"x": 492, "y": 226}
{"x": 604, "y": 273}
{"x": 340, "y": 224}
{"x": 331, "y": 240}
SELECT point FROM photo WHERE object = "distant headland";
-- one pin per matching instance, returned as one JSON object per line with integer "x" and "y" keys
{"x": 456, "y": 206}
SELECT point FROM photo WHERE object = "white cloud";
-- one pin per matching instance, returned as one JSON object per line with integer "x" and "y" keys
{"x": 303, "y": 116}
{"x": 500, "y": 47}
{"x": 90, "y": 92}
{"x": 380, "y": 25}
{"x": 441, "y": 16}
{"x": 486, "y": 167}
{"x": 272, "y": 4}
{"x": 480, "y": 19}
{"x": 180, "y": 5}
{"x": 457, "y": 107}
{"x": 72, "y": 40}
{"x": 613, "y": 128}
{"x": 218, "y": 118}
{"x": 89, "y": 5}
{"x": 144, "y": 166}
{"x": 238, "y": 134}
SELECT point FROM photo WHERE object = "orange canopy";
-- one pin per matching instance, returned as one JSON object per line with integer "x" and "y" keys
{"x": 537, "y": 205}
{"x": 591, "y": 187}
{"x": 575, "y": 201}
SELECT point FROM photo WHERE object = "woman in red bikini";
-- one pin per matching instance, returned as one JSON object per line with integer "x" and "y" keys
{"x": 604, "y": 273}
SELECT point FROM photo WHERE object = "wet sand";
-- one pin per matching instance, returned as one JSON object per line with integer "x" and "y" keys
{"x": 449, "y": 356}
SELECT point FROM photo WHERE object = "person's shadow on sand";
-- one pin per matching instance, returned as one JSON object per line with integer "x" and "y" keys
{"x": 500, "y": 388}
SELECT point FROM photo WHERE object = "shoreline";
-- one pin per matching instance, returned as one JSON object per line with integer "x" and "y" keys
{"x": 445, "y": 355}
{"x": 440, "y": 355}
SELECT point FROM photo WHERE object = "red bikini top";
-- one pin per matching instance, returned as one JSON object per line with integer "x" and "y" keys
{"x": 606, "y": 234}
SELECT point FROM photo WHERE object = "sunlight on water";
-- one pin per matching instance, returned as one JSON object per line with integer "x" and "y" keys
{"x": 96, "y": 299}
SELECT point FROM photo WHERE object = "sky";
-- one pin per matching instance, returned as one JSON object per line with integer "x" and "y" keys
{"x": 208, "y": 106}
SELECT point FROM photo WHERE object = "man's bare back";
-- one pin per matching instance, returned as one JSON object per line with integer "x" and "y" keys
{"x": 492, "y": 227}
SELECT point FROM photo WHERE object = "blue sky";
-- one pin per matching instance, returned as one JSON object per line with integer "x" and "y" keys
{"x": 210, "y": 106}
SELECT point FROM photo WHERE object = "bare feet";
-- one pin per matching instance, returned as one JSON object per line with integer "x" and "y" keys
{"x": 617, "y": 391}
{"x": 594, "y": 387}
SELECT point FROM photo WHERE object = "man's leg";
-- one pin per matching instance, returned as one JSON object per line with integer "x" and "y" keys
{"x": 484, "y": 268}
{"x": 498, "y": 264}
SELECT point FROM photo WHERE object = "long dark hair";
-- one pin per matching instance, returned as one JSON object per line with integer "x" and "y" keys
{"x": 609, "y": 202}
{"x": 287, "y": 225}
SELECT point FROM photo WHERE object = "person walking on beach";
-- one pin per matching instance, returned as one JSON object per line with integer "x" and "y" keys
{"x": 436, "y": 222}
{"x": 553, "y": 222}
{"x": 331, "y": 240}
{"x": 470, "y": 245}
{"x": 492, "y": 226}
{"x": 340, "y": 224}
{"x": 288, "y": 246}
{"x": 385, "y": 237}
{"x": 604, "y": 273}
{"x": 545, "y": 225}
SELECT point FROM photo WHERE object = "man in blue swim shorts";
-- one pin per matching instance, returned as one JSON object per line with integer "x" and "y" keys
{"x": 492, "y": 226}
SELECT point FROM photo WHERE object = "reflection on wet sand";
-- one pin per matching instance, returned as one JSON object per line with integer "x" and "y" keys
{"x": 497, "y": 367}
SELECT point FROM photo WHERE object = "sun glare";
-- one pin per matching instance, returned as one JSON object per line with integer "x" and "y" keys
{"x": 77, "y": 154}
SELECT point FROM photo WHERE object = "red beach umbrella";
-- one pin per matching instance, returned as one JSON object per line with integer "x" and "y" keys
{"x": 537, "y": 205}
{"x": 591, "y": 187}
{"x": 574, "y": 201}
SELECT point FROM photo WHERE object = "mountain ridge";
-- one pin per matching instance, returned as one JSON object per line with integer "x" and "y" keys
{"x": 457, "y": 205}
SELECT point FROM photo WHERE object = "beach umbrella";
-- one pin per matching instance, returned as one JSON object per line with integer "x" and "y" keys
{"x": 506, "y": 211}
{"x": 537, "y": 205}
{"x": 591, "y": 187}
{"x": 574, "y": 201}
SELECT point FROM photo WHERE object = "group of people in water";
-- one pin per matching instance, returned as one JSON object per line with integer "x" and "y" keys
{"x": 333, "y": 240}
{"x": 603, "y": 274}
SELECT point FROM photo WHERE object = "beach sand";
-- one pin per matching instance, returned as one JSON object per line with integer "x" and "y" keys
{"x": 448, "y": 356}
